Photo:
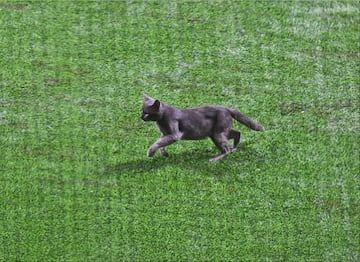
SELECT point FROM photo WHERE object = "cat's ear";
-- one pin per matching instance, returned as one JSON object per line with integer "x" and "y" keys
{"x": 152, "y": 102}
{"x": 156, "y": 104}
{"x": 148, "y": 98}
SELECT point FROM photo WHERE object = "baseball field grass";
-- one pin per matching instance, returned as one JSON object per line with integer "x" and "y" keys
{"x": 75, "y": 182}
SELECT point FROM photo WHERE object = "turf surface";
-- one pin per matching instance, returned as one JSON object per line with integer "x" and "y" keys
{"x": 76, "y": 184}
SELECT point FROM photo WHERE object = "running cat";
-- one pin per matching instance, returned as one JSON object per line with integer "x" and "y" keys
{"x": 194, "y": 124}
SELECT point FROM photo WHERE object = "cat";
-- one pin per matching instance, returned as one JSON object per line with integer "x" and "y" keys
{"x": 194, "y": 124}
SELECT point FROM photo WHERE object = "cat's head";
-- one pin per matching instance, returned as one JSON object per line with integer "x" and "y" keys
{"x": 150, "y": 109}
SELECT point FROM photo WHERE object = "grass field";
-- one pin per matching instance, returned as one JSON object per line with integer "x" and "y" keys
{"x": 76, "y": 184}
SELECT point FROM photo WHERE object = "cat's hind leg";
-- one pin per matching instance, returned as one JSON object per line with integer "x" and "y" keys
{"x": 221, "y": 142}
{"x": 233, "y": 134}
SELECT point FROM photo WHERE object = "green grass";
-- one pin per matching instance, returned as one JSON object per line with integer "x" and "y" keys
{"x": 76, "y": 184}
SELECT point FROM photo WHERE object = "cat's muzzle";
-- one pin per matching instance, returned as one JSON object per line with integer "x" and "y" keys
{"x": 145, "y": 117}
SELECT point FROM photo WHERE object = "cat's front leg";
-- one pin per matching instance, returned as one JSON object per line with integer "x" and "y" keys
{"x": 161, "y": 143}
{"x": 152, "y": 150}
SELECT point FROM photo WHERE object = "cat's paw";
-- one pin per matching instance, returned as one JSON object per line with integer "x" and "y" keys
{"x": 163, "y": 152}
{"x": 216, "y": 158}
{"x": 151, "y": 152}
{"x": 233, "y": 149}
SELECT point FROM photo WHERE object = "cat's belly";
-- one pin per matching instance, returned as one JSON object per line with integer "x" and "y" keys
{"x": 194, "y": 135}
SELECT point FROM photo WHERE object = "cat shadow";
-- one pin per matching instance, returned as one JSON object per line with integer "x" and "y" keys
{"x": 145, "y": 165}
{"x": 186, "y": 160}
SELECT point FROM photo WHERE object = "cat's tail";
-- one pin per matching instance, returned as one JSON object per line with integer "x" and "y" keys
{"x": 245, "y": 120}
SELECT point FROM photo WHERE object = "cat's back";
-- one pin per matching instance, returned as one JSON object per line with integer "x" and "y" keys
{"x": 207, "y": 111}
